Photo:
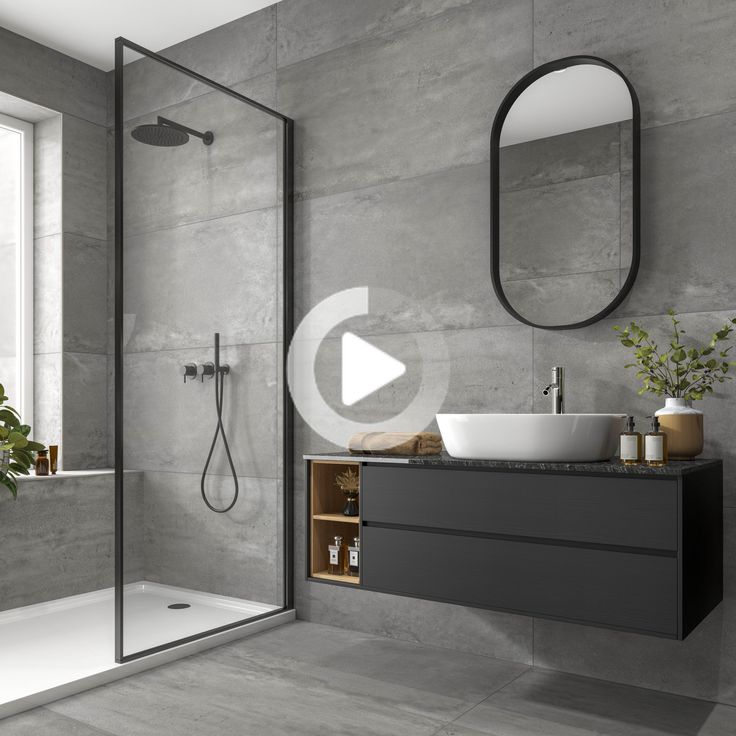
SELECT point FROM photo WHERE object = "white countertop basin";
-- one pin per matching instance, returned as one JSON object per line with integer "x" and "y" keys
{"x": 554, "y": 438}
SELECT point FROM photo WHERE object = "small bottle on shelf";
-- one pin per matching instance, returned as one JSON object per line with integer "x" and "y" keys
{"x": 655, "y": 446}
{"x": 354, "y": 558}
{"x": 630, "y": 452}
{"x": 42, "y": 463}
{"x": 338, "y": 557}
{"x": 54, "y": 458}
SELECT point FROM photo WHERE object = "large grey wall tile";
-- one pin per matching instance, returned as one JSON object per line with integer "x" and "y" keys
{"x": 310, "y": 27}
{"x": 47, "y": 291}
{"x": 419, "y": 101}
{"x": 169, "y": 425}
{"x": 84, "y": 178}
{"x": 57, "y": 539}
{"x": 168, "y": 187}
{"x": 47, "y": 177}
{"x": 427, "y": 238}
{"x": 678, "y": 55}
{"x": 187, "y": 545}
{"x": 183, "y": 284}
{"x": 687, "y": 219}
{"x": 39, "y": 74}
{"x": 553, "y": 704}
{"x": 489, "y": 370}
{"x": 702, "y": 666}
{"x": 234, "y": 52}
{"x": 85, "y": 411}
{"x": 85, "y": 294}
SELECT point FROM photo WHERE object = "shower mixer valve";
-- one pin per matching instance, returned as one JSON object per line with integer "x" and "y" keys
{"x": 202, "y": 370}
{"x": 206, "y": 369}
{"x": 188, "y": 370}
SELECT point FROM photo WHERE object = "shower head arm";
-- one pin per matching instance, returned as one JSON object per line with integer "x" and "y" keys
{"x": 207, "y": 137}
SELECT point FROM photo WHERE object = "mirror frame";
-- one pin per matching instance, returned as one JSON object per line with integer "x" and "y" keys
{"x": 498, "y": 122}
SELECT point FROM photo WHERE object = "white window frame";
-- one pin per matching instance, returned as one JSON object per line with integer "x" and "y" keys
{"x": 24, "y": 271}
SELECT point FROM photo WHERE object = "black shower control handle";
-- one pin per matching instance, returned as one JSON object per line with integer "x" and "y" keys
{"x": 206, "y": 369}
{"x": 188, "y": 370}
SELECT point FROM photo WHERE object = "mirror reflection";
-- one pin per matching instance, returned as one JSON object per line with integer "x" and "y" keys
{"x": 565, "y": 195}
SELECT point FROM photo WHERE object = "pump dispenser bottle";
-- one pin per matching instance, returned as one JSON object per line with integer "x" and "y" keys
{"x": 631, "y": 444}
{"x": 655, "y": 446}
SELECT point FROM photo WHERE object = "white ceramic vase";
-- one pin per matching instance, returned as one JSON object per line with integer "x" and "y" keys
{"x": 683, "y": 426}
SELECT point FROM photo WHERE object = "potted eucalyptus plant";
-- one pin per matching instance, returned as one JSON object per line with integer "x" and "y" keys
{"x": 16, "y": 449}
{"x": 682, "y": 374}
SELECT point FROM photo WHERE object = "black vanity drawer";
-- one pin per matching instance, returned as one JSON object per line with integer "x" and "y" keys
{"x": 633, "y": 512}
{"x": 611, "y": 588}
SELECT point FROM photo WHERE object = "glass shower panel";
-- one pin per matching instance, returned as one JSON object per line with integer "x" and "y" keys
{"x": 200, "y": 328}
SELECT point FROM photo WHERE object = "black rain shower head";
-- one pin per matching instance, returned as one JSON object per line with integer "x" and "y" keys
{"x": 168, "y": 133}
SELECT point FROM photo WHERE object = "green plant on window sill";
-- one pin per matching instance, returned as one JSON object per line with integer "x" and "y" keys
{"x": 15, "y": 448}
{"x": 681, "y": 371}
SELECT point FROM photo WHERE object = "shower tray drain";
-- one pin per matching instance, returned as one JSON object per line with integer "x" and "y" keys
{"x": 178, "y": 606}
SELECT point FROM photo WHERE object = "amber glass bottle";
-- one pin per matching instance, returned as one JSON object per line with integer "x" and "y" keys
{"x": 42, "y": 463}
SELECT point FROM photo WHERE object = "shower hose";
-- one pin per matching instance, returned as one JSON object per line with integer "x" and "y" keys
{"x": 220, "y": 373}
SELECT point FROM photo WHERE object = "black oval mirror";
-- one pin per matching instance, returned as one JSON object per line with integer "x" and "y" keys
{"x": 565, "y": 194}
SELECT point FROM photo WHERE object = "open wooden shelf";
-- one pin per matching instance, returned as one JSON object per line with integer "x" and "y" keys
{"x": 326, "y": 520}
{"x": 337, "y": 517}
{"x": 324, "y": 575}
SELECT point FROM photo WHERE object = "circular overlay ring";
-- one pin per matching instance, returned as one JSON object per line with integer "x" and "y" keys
{"x": 302, "y": 380}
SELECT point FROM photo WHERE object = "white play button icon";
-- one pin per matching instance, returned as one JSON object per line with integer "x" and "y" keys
{"x": 365, "y": 369}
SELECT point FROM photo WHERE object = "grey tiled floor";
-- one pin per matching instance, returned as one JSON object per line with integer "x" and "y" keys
{"x": 309, "y": 679}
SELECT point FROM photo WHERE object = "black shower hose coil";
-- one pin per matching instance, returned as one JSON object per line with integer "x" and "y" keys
{"x": 220, "y": 429}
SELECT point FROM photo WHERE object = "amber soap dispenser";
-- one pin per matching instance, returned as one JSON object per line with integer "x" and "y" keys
{"x": 655, "y": 446}
{"x": 631, "y": 444}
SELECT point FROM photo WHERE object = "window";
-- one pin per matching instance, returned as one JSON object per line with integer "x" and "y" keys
{"x": 16, "y": 263}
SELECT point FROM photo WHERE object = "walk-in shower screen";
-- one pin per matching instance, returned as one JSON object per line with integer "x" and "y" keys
{"x": 203, "y": 254}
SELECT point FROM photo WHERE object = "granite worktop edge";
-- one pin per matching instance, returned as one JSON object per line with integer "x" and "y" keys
{"x": 673, "y": 469}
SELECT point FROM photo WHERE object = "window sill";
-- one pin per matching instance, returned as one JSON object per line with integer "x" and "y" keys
{"x": 63, "y": 475}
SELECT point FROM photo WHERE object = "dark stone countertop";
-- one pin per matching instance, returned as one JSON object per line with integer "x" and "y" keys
{"x": 672, "y": 470}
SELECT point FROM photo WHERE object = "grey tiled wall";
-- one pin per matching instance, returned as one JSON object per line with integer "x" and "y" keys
{"x": 58, "y": 538}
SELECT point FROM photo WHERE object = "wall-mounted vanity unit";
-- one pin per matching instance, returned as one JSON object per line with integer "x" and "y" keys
{"x": 632, "y": 548}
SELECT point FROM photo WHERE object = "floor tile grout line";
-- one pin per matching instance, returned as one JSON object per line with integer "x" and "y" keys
{"x": 71, "y": 719}
{"x": 632, "y": 686}
{"x": 436, "y": 647}
{"x": 482, "y": 700}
